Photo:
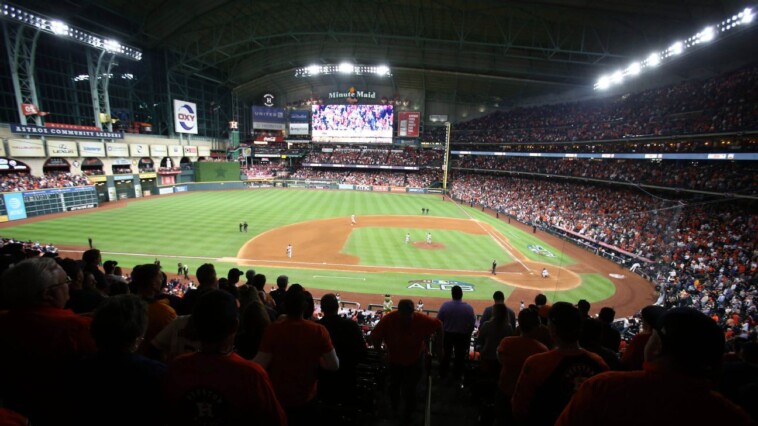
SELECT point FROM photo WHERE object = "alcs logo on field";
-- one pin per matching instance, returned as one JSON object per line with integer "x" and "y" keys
{"x": 186, "y": 116}
{"x": 439, "y": 285}
{"x": 540, "y": 250}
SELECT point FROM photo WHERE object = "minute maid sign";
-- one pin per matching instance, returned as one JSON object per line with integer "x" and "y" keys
{"x": 540, "y": 250}
{"x": 352, "y": 95}
{"x": 439, "y": 285}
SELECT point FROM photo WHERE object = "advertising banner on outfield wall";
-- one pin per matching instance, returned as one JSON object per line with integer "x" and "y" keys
{"x": 26, "y": 148}
{"x": 190, "y": 151}
{"x": 61, "y": 149}
{"x": 175, "y": 151}
{"x": 158, "y": 151}
{"x": 381, "y": 188}
{"x": 397, "y": 188}
{"x": 139, "y": 150}
{"x": 117, "y": 149}
{"x": 92, "y": 149}
{"x": 204, "y": 151}
{"x": 164, "y": 191}
{"x": 185, "y": 117}
{"x": 14, "y": 204}
{"x": 417, "y": 190}
{"x": 345, "y": 186}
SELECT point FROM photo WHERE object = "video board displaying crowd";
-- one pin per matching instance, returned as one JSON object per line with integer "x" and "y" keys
{"x": 352, "y": 123}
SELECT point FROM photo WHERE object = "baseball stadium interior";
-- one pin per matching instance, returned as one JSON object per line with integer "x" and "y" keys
{"x": 621, "y": 134}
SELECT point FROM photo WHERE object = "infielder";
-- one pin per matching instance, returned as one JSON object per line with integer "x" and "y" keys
{"x": 407, "y": 238}
{"x": 289, "y": 251}
{"x": 428, "y": 237}
{"x": 352, "y": 220}
{"x": 545, "y": 273}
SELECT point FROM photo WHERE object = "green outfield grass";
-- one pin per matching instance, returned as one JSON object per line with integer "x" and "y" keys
{"x": 386, "y": 247}
{"x": 202, "y": 227}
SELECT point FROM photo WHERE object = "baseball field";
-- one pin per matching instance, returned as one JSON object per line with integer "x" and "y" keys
{"x": 362, "y": 261}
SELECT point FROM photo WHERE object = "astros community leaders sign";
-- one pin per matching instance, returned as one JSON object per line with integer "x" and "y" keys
{"x": 66, "y": 133}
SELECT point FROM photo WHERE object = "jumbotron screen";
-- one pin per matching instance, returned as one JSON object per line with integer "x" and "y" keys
{"x": 352, "y": 123}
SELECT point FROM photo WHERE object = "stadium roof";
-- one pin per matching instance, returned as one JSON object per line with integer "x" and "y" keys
{"x": 457, "y": 51}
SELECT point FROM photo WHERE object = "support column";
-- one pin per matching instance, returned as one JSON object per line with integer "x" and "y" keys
{"x": 21, "y": 45}
{"x": 99, "y": 77}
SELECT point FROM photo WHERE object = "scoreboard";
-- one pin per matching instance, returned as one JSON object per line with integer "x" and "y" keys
{"x": 20, "y": 205}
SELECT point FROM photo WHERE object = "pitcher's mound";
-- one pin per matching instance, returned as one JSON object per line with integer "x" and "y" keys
{"x": 423, "y": 245}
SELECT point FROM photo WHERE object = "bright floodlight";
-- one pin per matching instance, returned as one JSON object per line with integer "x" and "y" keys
{"x": 382, "y": 70}
{"x": 707, "y": 34}
{"x": 603, "y": 83}
{"x": 58, "y": 27}
{"x": 634, "y": 68}
{"x": 653, "y": 60}
{"x": 111, "y": 45}
{"x": 345, "y": 68}
{"x": 676, "y": 48}
{"x": 747, "y": 16}
{"x": 314, "y": 70}
{"x": 617, "y": 77}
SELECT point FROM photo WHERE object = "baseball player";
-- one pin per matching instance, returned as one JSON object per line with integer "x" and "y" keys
{"x": 545, "y": 274}
{"x": 352, "y": 220}
{"x": 289, "y": 251}
{"x": 407, "y": 238}
{"x": 428, "y": 237}
{"x": 494, "y": 267}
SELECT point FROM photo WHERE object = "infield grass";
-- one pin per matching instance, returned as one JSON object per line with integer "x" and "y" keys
{"x": 200, "y": 227}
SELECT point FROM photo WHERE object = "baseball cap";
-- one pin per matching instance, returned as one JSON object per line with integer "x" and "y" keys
{"x": 110, "y": 264}
{"x": 693, "y": 339}
{"x": 234, "y": 272}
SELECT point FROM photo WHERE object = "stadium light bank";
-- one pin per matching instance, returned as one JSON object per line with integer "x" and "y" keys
{"x": 343, "y": 68}
{"x": 708, "y": 34}
{"x": 61, "y": 29}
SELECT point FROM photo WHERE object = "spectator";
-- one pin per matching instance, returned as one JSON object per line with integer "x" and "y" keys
{"x": 207, "y": 281}
{"x": 548, "y": 380}
{"x": 592, "y": 331}
{"x": 490, "y": 335}
{"x": 404, "y": 333}
{"x": 683, "y": 352}
{"x": 254, "y": 320}
{"x": 610, "y": 338}
{"x": 347, "y": 338}
{"x": 282, "y": 281}
{"x": 117, "y": 377}
{"x": 148, "y": 281}
{"x": 92, "y": 261}
{"x": 41, "y": 340}
{"x": 634, "y": 355}
{"x": 499, "y": 299}
{"x": 458, "y": 322}
{"x": 291, "y": 351}
{"x": 215, "y": 385}
{"x": 81, "y": 300}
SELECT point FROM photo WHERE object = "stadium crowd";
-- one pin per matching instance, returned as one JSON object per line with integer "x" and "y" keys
{"x": 375, "y": 156}
{"x": 715, "y": 105}
{"x": 10, "y": 182}
{"x": 420, "y": 179}
{"x": 228, "y": 350}
{"x": 715, "y": 176}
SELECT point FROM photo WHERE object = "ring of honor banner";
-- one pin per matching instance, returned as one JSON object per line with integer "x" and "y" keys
{"x": 407, "y": 124}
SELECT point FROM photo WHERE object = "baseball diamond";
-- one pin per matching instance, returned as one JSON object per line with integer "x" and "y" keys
{"x": 325, "y": 244}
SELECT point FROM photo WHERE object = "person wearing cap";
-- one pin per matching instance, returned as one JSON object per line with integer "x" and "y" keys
{"x": 548, "y": 380}
{"x": 682, "y": 355}
{"x": 404, "y": 333}
{"x": 207, "y": 281}
{"x": 634, "y": 355}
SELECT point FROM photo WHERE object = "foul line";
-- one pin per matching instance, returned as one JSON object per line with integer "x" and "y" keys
{"x": 494, "y": 237}
{"x": 341, "y": 278}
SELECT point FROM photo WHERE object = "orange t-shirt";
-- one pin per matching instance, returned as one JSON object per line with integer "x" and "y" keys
{"x": 296, "y": 347}
{"x": 513, "y": 352}
{"x": 405, "y": 339}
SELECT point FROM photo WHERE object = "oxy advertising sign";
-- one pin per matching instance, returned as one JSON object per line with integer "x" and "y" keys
{"x": 185, "y": 117}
